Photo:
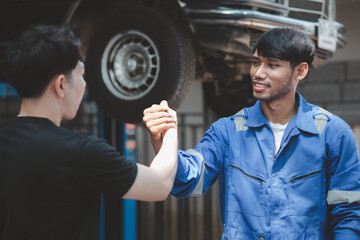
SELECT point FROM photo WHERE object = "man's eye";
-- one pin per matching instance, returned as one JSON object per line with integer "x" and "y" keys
{"x": 273, "y": 65}
{"x": 254, "y": 63}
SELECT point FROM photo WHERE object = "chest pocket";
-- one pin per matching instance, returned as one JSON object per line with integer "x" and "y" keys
{"x": 245, "y": 188}
{"x": 306, "y": 190}
{"x": 245, "y": 191}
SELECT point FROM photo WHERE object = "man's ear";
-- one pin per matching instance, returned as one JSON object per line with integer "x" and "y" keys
{"x": 301, "y": 71}
{"x": 59, "y": 84}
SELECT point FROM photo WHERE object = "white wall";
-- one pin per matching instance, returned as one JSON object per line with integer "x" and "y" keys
{"x": 348, "y": 13}
{"x": 194, "y": 101}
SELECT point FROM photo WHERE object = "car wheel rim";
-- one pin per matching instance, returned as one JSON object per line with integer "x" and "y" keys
{"x": 130, "y": 65}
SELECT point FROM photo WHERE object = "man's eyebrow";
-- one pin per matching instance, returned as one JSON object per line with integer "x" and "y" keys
{"x": 268, "y": 59}
{"x": 273, "y": 59}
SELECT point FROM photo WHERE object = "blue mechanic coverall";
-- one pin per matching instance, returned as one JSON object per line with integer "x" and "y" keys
{"x": 310, "y": 189}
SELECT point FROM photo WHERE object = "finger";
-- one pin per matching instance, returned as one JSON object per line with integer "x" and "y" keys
{"x": 155, "y": 125}
{"x": 153, "y": 108}
{"x": 158, "y": 129}
{"x": 159, "y": 121}
{"x": 164, "y": 105}
{"x": 155, "y": 116}
{"x": 172, "y": 113}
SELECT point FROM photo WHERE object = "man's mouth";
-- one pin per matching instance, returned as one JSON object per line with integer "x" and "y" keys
{"x": 259, "y": 86}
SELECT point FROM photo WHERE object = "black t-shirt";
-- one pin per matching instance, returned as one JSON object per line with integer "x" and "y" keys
{"x": 51, "y": 179}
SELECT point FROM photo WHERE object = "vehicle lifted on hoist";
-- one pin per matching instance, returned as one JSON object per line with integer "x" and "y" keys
{"x": 139, "y": 52}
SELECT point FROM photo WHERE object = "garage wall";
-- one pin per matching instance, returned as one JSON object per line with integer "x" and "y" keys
{"x": 348, "y": 14}
{"x": 336, "y": 85}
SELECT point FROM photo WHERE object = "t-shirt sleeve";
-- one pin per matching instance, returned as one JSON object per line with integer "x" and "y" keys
{"x": 100, "y": 167}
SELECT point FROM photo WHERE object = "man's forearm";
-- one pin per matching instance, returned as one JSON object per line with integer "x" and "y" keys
{"x": 155, "y": 182}
{"x": 156, "y": 145}
{"x": 165, "y": 162}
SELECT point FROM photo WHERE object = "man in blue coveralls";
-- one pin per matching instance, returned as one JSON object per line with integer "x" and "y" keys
{"x": 287, "y": 169}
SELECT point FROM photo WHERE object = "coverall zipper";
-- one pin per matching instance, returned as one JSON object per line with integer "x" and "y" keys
{"x": 251, "y": 176}
{"x": 304, "y": 176}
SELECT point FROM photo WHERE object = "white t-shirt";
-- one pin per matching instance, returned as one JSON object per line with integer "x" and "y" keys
{"x": 278, "y": 130}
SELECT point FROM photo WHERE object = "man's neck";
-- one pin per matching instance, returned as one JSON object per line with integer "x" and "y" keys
{"x": 281, "y": 110}
{"x": 40, "y": 107}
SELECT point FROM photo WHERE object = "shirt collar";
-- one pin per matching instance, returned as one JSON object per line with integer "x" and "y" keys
{"x": 304, "y": 118}
{"x": 255, "y": 116}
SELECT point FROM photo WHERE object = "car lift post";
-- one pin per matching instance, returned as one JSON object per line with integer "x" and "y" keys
{"x": 7, "y": 91}
{"x": 118, "y": 217}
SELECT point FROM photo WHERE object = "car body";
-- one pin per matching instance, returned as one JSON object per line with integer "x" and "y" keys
{"x": 139, "y": 52}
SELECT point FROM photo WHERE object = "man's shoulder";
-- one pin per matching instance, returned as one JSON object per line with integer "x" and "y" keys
{"x": 334, "y": 124}
{"x": 338, "y": 125}
{"x": 333, "y": 117}
{"x": 232, "y": 123}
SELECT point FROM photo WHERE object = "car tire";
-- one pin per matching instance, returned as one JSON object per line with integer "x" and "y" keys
{"x": 227, "y": 99}
{"x": 136, "y": 58}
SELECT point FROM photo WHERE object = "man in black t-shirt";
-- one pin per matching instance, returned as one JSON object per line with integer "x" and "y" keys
{"x": 50, "y": 177}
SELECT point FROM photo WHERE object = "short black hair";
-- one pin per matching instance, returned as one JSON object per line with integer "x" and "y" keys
{"x": 38, "y": 55}
{"x": 286, "y": 43}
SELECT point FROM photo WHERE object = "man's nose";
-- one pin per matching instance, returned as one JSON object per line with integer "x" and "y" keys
{"x": 260, "y": 72}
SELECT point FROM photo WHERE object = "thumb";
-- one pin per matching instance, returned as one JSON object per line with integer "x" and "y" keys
{"x": 164, "y": 105}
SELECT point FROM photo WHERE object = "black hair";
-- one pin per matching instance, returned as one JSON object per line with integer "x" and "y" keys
{"x": 38, "y": 55}
{"x": 286, "y": 43}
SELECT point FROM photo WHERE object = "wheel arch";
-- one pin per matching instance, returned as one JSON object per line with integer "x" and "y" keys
{"x": 86, "y": 15}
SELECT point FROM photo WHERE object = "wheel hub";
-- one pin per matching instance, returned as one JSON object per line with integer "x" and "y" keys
{"x": 135, "y": 65}
{"x": 130, "y": 65}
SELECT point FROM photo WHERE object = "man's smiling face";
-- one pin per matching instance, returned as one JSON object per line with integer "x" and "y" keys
{"x": 272, "y": 78}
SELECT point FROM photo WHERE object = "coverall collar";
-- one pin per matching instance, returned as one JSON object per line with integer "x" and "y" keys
{"x": 304, "y": 118}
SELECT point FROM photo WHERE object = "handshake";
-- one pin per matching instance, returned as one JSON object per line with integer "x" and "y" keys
{"x": 159, "y": 120}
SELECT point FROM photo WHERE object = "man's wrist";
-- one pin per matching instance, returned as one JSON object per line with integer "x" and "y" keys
{"x": 156, "y": 144}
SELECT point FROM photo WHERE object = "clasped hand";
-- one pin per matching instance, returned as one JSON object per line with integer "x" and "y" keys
{"x": 158, "y": 119}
